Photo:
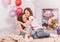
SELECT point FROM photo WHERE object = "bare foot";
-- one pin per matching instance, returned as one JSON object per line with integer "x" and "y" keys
{"x": 31, "y": 39}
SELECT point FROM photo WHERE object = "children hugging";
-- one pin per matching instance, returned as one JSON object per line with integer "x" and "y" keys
{"x": 29, "y": 26}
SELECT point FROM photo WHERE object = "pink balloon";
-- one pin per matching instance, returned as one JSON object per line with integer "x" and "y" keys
{"x": 12, "y": 13}
{"x": 18, "y": 11}
{"x": 6, "y": 2}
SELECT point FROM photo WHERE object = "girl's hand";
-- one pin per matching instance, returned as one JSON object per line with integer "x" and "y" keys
{"x": 29, "y": 22}
{"x": 27, "y": 33}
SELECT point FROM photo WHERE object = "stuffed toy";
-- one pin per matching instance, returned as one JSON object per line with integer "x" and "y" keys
{"x": 53, "y": 21}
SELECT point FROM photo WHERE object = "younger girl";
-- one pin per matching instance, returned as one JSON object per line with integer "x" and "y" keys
{"x": 24, "y": 29}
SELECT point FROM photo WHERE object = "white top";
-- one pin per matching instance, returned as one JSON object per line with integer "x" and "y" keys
{"x": 35, "y": 24}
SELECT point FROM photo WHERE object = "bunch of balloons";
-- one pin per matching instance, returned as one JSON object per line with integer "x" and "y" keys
{"x": 16, "y": 10}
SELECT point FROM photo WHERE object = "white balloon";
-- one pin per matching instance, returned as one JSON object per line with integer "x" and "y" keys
{"x": 6, "y": 2}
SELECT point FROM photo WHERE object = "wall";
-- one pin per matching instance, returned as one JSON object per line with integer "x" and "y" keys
{"x": 40, "y": 4}
{"x": 7, "y": 23}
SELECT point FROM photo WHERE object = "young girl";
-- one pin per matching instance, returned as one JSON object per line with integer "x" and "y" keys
{"x": 29, "y": 14}
{"x": 24, "y": 29}
{"x": 22, "y": 18}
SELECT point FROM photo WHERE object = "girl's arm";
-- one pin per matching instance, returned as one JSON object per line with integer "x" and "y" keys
{"x": 28, "y": 22}
{"x": 25, "y": 24}
{"x": 21, "y": 29}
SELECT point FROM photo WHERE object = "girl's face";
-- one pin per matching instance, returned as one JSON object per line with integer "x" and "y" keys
{"x": 24, "y": 18}
{"x": 27, "y": 13}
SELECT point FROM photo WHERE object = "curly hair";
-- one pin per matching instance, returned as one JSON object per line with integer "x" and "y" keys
{"x": 19, "y": 18}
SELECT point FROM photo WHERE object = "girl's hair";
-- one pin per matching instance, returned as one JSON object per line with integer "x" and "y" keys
{"x": 28, "y": 9}
{"x": 19, "y": 18}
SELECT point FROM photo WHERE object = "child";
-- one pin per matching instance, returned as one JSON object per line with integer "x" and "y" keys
{"x": 24, "y": 30}
{"x": 35, "y": 24}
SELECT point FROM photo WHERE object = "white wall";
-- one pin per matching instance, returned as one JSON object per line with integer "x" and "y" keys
{"x": 29, "y": 3}
{"x": 7, "y": 23}
{"x": 40, "y": 4}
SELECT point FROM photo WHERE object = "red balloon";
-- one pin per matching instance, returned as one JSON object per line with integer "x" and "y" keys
{"x": 18, "y": 11}
{"x": 18, "y": 2}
